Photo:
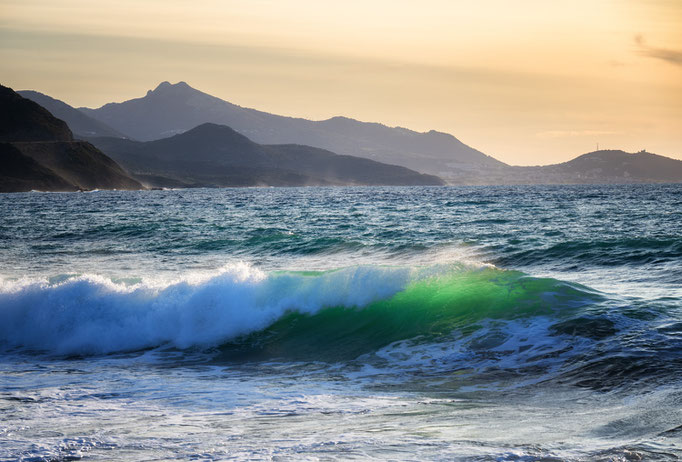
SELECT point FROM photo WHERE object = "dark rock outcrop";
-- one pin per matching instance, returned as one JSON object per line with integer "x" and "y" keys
{"x": 38, "y": 152}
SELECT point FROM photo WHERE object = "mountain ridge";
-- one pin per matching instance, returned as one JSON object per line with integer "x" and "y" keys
{"x": 81, "y": 124}
{"x": 215, "y": 155}
{"x": 170, "y": 109}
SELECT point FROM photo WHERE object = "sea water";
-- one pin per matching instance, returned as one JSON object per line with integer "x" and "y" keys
{"x": 418, "y": 323}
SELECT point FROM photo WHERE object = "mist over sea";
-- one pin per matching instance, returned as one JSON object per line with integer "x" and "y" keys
{"x": 420, "y": 323}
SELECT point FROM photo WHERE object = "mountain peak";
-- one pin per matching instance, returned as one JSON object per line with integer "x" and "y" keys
{"x": 212, "y": 134}
{"x": 435, "y": 134}
{"x": 210, "y": 127}
{"x": 167, "y": 86}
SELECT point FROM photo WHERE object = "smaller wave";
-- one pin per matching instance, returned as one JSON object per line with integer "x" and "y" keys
{"x": 611, "y": 253}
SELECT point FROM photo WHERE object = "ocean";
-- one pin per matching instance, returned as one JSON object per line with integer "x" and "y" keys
{"x": 409, "y": 323}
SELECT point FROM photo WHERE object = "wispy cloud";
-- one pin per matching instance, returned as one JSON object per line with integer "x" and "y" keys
{"x": 670, "y": 56}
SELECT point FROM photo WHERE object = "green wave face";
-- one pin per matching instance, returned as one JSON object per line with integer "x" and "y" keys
{"x": 426, "y": 310}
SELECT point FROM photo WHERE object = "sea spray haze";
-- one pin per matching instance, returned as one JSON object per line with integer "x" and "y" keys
{"x": 471, "y": 323}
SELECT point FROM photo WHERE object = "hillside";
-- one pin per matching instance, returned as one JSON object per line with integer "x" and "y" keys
{"x": 80, "y": 124}
{"x": 38, "y": 152}
{"x": 617, "y": 166}
{"x": 23, "y": 120}
{"x": 19, "y": 172}
{"x": 216, "y": 155}
{"x": 603, "y": 167}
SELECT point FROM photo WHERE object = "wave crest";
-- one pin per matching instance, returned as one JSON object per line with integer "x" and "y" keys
{"x": 90, "y": 314}
{"x": 331, "y": 315}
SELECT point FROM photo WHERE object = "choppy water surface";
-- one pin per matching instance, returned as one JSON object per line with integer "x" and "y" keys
{"x": 477, "y": 323}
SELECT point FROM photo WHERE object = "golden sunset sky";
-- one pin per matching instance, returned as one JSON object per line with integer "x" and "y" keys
{"x": 528, "y": 82}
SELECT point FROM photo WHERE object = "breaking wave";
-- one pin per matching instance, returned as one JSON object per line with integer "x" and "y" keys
{"x": 367, "y": 307}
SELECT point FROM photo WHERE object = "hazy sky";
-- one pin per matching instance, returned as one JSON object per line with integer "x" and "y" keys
{"x": 527, "y": 81}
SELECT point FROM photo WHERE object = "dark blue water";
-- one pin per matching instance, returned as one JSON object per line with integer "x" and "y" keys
{"x": 473, "y": 323}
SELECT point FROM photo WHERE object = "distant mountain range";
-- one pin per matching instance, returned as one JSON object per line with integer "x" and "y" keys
{"x": 37, "y": 151}
{"x": 173, "y": 109}
{"x": 216, "y": 155}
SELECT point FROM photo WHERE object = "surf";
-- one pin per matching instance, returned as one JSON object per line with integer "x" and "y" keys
{"x": 348, "y": 311}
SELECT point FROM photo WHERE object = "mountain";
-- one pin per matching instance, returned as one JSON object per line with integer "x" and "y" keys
{"x": 37, "y": 151}
{"x": 598, "y": 167}
{"x": 216, "y": 155}
{"x": 80, "y": 124}
{"x": 614, "y": 166}
{"x": 175, "y": 108}
{"x": 24, "y": 120}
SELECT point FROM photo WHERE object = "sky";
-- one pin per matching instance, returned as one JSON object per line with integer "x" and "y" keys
{"x": 530, "y": 82}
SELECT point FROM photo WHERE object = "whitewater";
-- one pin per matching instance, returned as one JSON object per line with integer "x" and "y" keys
{"x": 411, "y": 323}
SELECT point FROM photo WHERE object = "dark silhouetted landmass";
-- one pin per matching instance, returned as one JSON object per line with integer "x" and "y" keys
{"x": 81, "y": 164}
{"x": 216, "y": 155}
{"x": 23, "y": 120}
{"x": 599, "y": 167}
{"x": 610, "y": 166}
{"x": 80, "y": 124}
{"x": 37, "y": 152}
{"x": 19, "y": 172}
{"x": 172, "y": 109}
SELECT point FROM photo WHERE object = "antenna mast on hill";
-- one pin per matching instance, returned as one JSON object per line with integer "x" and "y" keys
{"x": 597, "y": 146}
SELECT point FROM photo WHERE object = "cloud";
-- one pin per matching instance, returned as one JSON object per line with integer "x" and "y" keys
{"x": 664, "y": 54}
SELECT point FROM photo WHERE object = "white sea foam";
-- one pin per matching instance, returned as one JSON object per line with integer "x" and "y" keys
{"x": 91, "y": 314}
